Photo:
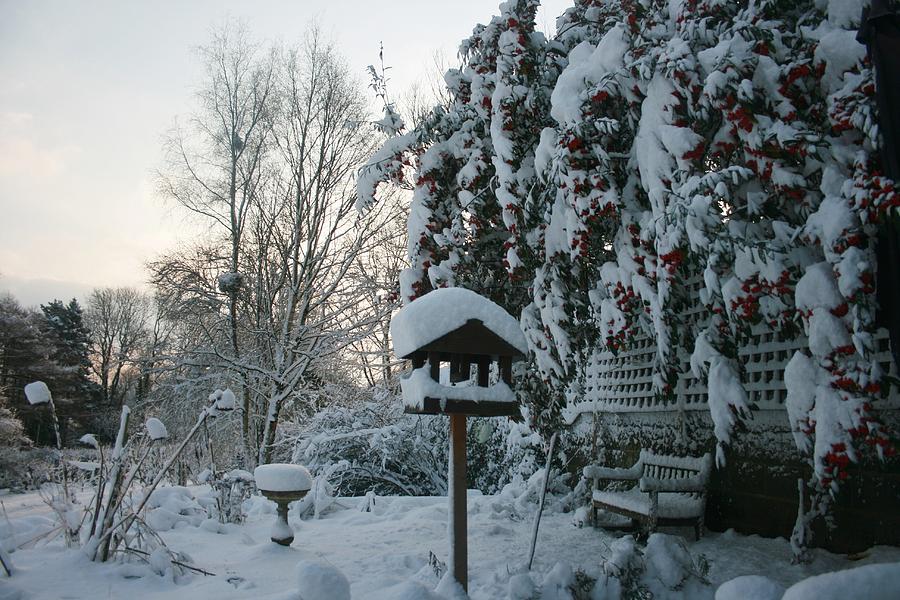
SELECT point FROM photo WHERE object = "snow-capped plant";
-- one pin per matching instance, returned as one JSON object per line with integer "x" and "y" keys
{"x": 116, "y": 523}
{"x": 63, "y": 504}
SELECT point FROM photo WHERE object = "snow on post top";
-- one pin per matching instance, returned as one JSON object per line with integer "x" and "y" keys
{"x": 156, "y": 429}
{"x": 37, "y": 392}
{"x": 226, "y": 401}
{"x": 443, "y": 310}
{"x": 282, "y": 477}
{"x": 88, "y": 439}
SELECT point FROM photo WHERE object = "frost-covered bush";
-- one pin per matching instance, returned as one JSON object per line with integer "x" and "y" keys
{"x": 662, "y": 569}
{"x": 502, "y": 452}
{"x": 374, "y": 446}
{"x": 12, "y": 432}
{"x": 230, "y": 489}
{"x": 168, "y": 506}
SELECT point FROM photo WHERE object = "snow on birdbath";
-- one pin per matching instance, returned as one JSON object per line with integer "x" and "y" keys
{"x": 465, "y": 330}
{"x": 282, "y": 484}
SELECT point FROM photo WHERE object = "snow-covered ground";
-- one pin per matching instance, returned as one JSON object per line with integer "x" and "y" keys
{"x": 384, "y": 553}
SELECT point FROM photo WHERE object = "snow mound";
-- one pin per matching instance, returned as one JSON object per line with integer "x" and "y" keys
{"x": 521, "y": 587}
{"x": 321, "y": 581}
{"x": 450, "y": 589}
{"x": 872, "y": 582}
{"x": 557, "y": 582}
{"x": 37, "y": 392}
{"x": 282, "y": 477}
{"x": 19, "y": 531}
{"x": 441, "y": 311}
{"x": 168, "y": 507}
{"x": 407, "y": 590}
{"x": 750, "y": 587}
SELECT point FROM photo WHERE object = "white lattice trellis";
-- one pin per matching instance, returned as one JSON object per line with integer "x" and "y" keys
{"x": 624, "y": 383}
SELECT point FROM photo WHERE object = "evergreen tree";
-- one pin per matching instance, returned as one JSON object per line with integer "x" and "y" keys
{"x": 25, "y": 351}
{"x": 71, "y": 342}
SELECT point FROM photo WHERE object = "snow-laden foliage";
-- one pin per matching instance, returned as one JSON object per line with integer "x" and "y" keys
{"x": 663, "y": 568}
{"x": 375, "y": 447}
{"x": 585, "y": 182}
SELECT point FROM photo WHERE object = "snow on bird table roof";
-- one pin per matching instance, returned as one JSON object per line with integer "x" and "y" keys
{"x": 282, "y": 477}
{"x": 444, "y": 310}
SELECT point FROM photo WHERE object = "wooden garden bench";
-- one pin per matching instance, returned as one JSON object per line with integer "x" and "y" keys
{"x": 668, "y": 490}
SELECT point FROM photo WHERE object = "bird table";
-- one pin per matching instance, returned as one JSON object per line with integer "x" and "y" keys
{"x": 476, "y": 342}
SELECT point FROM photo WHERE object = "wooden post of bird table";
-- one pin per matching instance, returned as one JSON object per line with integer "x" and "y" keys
{"x": 459, "y": 562}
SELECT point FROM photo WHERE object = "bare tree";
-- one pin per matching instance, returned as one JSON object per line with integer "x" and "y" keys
{"x": 314, "y": 236}
{"x": 298, "y": 253}
{"x": 376, "y": 274}
{"x": 216, "y": 165}
{"x": 117, "y": 318}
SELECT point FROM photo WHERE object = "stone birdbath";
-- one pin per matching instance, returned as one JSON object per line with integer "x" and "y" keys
{"x": 282, "y": 484}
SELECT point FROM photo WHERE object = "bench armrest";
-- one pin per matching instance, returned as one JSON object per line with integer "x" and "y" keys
{"x": 632, "y": 473}
{"x": 697, "y": 483}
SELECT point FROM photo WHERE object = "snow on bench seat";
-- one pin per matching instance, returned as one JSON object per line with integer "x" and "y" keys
{"x": 671, "y": 505}
{"x": 668, "y": 490}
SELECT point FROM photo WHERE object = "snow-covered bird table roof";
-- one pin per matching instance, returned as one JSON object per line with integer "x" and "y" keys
{"x": 459, "y": 327}
{"x": 447, "y": 315}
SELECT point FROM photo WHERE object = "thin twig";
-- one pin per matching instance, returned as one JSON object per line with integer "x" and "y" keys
{"x": 183, "y": 565}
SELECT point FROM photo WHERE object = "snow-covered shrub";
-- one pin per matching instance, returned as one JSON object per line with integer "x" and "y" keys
{"x": 374, "y": 446}
{"x": 500, "y": 452}
{"x": 12, "y": 436}
{"x": 116, "y": 523}
{"x": 12, "y": 431}
{"x": 171, "y": 505}
{"x": 230, "y": 490}
{"x": 662, "y": 569}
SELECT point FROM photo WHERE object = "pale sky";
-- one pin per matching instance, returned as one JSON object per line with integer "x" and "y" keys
{"x": 88, "y": 88}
